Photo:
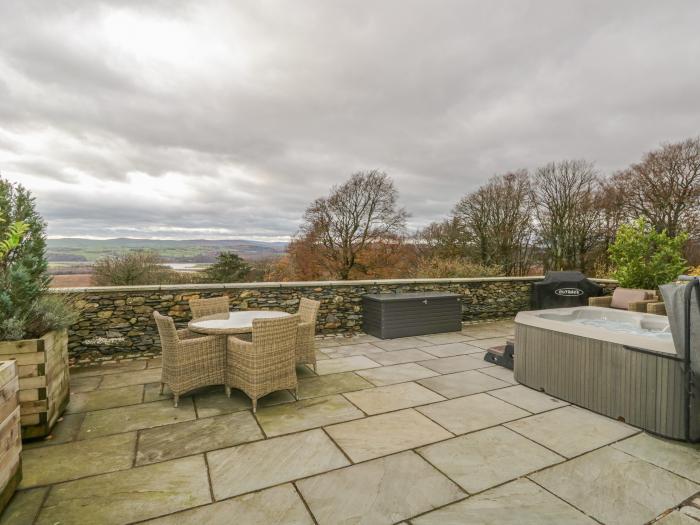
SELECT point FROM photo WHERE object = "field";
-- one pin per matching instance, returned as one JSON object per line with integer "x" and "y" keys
{"x": 75, "y": 250}
{"x": 71, "y": 259}
{"x": 77, "y": 280}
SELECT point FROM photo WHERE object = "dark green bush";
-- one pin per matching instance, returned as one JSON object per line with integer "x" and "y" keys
{"x": 25, "y": 309}
{"x": 645, "y": 258}
{"x": 228, "y": 268}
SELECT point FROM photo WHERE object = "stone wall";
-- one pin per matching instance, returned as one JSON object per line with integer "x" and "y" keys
{"x": 118, "y": 321}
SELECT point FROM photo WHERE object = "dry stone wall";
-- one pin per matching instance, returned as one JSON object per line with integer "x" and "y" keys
{"x": 117, "y": 322}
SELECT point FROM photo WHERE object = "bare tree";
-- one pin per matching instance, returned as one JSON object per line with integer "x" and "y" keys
{"x": 496, "y": 220}
{"x": 610, "y": 201}
{"x": 356, "y": 214}
{"x": 664, "y": 188}
{"x": 568, "y": 218}
{"x": 444, "y": 239}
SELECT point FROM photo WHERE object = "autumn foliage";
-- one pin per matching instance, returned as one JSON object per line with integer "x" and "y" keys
{"x": 561, "y": 216}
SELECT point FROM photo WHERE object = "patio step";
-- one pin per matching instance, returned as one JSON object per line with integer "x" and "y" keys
{"x": 501, "y": 355}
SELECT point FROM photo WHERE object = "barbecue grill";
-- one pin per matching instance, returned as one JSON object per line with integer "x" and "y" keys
{"x": 563, "y": 290}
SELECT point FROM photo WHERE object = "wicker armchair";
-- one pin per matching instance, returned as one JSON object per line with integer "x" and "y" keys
{"x": 607, "y": 301}
{"x": 306, "y": 347}
{"x": 266, "y": 364}
{"x": 189, "y": 361}
{"x": 204, "y": 307}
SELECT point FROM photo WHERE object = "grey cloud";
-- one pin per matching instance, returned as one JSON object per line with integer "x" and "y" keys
{"x": 268, "y": 105}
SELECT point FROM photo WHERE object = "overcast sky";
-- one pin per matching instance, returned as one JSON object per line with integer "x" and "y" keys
{"x": 220, "y": 119}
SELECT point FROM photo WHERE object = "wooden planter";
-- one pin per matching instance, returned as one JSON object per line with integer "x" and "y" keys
{"x": 43, "y": 380}
{"x": 10, "y": 440}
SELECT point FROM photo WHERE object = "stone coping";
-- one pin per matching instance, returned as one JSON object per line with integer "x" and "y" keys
{"x": 299, "y": 284}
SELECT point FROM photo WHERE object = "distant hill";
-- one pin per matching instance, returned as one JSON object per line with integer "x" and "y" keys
{"x": 69, "y": 249}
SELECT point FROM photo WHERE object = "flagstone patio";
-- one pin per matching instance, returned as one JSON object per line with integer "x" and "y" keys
{"x": 418, "y": 430}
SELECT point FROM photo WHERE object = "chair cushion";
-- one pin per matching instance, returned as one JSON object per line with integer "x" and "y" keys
{"x": 622, "y": 297}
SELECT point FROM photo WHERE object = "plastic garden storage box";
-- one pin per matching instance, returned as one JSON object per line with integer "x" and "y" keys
{"x": 391, "y": 315}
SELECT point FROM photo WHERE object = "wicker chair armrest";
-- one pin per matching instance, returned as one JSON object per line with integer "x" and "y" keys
{"x": 237, "y": 345}
{"x": 308, "y": 328}
{"x": 208, "y": 341}
{"x": 641, "y": 306}
{"x": 658, "y": 308}
{"x": 184, "y": 333}
{"x": 604, "y": 301}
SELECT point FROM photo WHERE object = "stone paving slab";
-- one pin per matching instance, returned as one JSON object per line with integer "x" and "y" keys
{"x": 450, "y": 349}
{"x": 676, "y": 518}
{"x": 109, "y": 367}
{"x": 193, "y": 437}
{"x": 470, "y": 413}
{"x": 155, "y": 362}
{"x": 519, "y": 502}
{"x": 351, "y": 350}
{"x": 692, "y": 511}
{"x": 493, "y": 332}
{"x": 304, "y": 371}
{"x": 124, "y": 419}
{"x": 499, "y": 372}
{"x": 457, "y": 363}
{"x": 392, "y": 397}
{"x": 528, "y": 399}
{"x": 306, "y": 414}
{"x": 151, "y": 392}
{"x": 24, "y": 507}
{"x": 361, "y": 338}
{"x": 101, "y": 399}
{"x": 47, "y": 465}
{"x": 448, "y": 337}
{"x": 571, "y": 431}
{"x": 678, "y": 457}
{"x": 398, "y": 357}
{"x": 254, "y": 466}
{"x": 401, "y": 343}
{"x": 328, "y": 343}
{"x": 128, "y": 495}
{"x": 485, "y": 344}
{"x": 620, "y": 488}
{"x": 487, "y": 458}
{"x": 385, "y": 434}
{"x": 389, "y": 375}
{"x": 275, "y": 506}
{"x": 214, "y": 402}
{"x": 462, "y": 383}
{"x": 378, "y": 492}
{"x": 138, "y": 377}
{"x": 318, "y": 386}
{"x": 344, "y": 364}
{"x": 65, "y": 430}
{"x": 84, "y": 384}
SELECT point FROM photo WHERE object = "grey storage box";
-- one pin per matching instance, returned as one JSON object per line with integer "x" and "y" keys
{"x": 390, "y": 315}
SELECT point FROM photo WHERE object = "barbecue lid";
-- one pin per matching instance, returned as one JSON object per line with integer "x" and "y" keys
{"x": 567, "y": 277}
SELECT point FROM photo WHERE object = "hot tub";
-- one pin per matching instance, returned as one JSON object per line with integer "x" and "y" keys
{"x": 621, "y": 364}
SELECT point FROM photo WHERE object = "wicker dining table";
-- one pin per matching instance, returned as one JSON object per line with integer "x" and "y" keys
{"x": 233, "y": 323}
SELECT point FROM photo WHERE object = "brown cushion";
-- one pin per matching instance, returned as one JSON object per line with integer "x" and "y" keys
{"x": 622, "y": 297}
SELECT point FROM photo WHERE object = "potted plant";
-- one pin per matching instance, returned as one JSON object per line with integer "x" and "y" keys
{"x": 33, "y": 322}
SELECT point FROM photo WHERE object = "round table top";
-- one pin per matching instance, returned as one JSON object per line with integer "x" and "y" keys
{"x": 231, "y": 323}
